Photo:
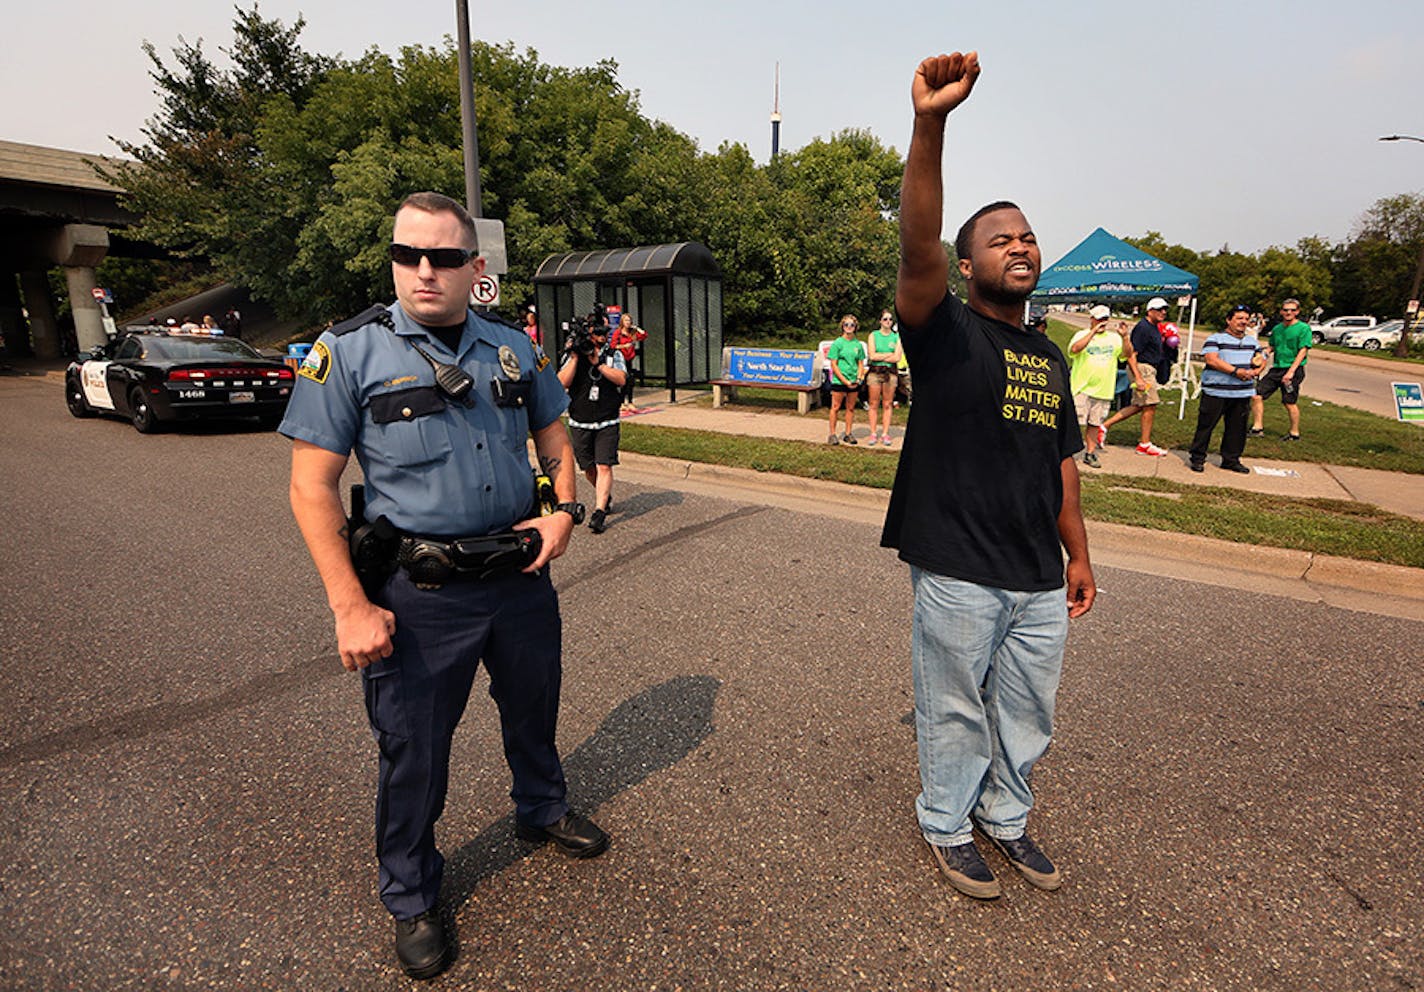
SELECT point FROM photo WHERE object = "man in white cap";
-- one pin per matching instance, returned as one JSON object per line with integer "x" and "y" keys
{"x": 1147, "y": 344}
{"x": 1094, "y": 352}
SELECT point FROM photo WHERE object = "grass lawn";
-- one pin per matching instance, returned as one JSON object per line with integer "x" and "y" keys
{"x": 1334, "y": 435}
{"x": 1326, "y": 526}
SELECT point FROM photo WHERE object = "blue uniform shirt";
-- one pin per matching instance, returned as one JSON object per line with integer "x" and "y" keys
{"x": 431, "y": 465}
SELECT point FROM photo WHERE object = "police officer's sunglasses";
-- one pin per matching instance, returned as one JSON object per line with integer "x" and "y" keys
{"x": 440, "y": 258}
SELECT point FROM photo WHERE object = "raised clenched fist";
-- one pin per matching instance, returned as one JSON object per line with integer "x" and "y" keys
{"x": 942, "y": 82}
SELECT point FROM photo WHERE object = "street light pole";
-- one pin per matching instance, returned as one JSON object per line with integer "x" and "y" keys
{"x": 1401, "y": 350}
{"x": 467, "y": 111}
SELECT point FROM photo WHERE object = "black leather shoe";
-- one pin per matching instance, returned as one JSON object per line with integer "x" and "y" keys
{"x": 422, "y": 945}
{"x": 577, "y": 836}
{"x": 1236, "y": 467}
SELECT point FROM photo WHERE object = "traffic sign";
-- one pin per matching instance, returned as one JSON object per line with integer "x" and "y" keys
{"x": 101, "y": 295}
{"x": 486, "y": 291}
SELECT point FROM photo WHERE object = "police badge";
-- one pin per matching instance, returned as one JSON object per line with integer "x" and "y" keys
{"x": 508, "y": 362}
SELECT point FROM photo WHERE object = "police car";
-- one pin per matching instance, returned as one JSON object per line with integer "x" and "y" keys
{"x": 153, "y": 376}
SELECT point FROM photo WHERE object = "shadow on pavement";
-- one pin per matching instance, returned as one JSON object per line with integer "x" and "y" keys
{"x": 645, "y": 734}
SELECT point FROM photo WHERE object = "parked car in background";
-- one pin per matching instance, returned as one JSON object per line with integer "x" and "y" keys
{"x": 1335, "y": 328}
{"x": 1385, "y": 335}
{"x": 152, "y": 376}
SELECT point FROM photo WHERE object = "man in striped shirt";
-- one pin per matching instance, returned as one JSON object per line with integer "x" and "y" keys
{"x": 1233, "y": 362}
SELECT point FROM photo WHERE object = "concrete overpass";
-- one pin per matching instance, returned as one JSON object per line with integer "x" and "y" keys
{"x": 55, "y": 210}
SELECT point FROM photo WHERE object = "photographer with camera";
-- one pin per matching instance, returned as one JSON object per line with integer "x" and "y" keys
{"x": 594, "y": 374}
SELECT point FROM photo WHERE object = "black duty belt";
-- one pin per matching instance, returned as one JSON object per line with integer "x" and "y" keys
{"x": 432, "y": 562}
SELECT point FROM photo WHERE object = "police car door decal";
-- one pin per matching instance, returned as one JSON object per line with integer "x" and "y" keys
{"x": 96, "y": 390}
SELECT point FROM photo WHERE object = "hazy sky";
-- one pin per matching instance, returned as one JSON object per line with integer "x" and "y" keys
{"x": 1214, "y": 123}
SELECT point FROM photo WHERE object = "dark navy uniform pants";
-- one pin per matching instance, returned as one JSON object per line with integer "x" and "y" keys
{"x": 415, "y": 699}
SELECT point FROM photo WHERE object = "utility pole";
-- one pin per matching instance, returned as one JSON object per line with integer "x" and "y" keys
{"x": 1401, "y": 350}
{"x": 467, "y": 111}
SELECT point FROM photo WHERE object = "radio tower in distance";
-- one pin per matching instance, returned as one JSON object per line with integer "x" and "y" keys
{"x": 776, "y": 113}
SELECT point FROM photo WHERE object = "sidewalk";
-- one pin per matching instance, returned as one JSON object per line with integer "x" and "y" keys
{"x": 1398, "y": 492}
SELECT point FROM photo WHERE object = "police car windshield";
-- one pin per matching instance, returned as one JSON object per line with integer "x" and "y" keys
{"x": 186, "y": 349}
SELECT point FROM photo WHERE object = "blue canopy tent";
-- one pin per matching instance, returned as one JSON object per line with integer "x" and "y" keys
{"x": 1104, "y": 268}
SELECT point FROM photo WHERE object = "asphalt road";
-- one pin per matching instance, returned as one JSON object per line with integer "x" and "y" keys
{"x": 186, "y": 777}
{"x": 1362, "y": 384}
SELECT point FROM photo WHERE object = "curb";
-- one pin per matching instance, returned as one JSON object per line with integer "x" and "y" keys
{"x": 1396, "y": 590}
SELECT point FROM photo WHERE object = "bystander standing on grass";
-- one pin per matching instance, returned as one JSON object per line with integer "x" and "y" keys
{"x": 1094, "y": 353}
{"x": 884, "y": 354}
{"x": 846, "y": 358}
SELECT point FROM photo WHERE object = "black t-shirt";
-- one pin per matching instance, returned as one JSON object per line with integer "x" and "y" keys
{"x": 593, "y": 399}
{"x": 980, "y": 483}
{"x": 1147, "y": 342}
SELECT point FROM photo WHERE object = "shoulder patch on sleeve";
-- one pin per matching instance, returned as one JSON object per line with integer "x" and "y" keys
{"x": 317, "y": 363}
{"x": 541, "y": 360}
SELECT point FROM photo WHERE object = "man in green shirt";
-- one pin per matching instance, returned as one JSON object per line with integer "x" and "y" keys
{"x": 1290, "y": 340}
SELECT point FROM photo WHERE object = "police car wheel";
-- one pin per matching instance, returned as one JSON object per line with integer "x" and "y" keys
{"x": 74, "y": 399}
{"x": 143, "y": 419}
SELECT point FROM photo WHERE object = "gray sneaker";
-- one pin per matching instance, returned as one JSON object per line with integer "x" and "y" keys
{"x": 833, "y": 440}
{"x": 1032, "y": 863}
{"x": 964, "y": 866}
{"x": 1091, "y": 458}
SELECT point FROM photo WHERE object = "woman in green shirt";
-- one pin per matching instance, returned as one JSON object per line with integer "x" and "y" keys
{"x": 884, "y": 353}
{"x": 846, "y": 362}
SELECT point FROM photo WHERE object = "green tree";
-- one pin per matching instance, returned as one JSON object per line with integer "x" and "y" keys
{"x": 1375, "y": 268}
{"x": 283, "y": 172}
{"x": 1260, "y": 281}
{"x": 199, "y": 181}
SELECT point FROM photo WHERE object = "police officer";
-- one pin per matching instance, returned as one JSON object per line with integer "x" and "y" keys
{"x": 437, "y": 402}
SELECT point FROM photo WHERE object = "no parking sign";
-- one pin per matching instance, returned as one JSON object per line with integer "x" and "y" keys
{"x": 486, "y": 291}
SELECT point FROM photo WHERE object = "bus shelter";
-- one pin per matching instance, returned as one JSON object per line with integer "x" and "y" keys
{"x": 674, "y": 292}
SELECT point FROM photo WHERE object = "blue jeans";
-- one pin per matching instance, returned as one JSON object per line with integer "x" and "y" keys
{"x": 986, "y": 667}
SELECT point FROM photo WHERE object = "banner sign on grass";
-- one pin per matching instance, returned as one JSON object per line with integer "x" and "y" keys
{"x": 771, "y": 365}
{"x": 1409, "y": 402}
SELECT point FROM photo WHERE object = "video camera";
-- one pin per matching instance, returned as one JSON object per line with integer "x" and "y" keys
{"x": 582, "y": 329}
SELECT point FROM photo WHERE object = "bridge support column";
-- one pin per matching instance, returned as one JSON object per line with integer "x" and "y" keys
{"x": 88, "y": 319}
{"x": 12, "y": 321}
{"x": 80, "y": 247}
{"x": 44, "y": 333}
